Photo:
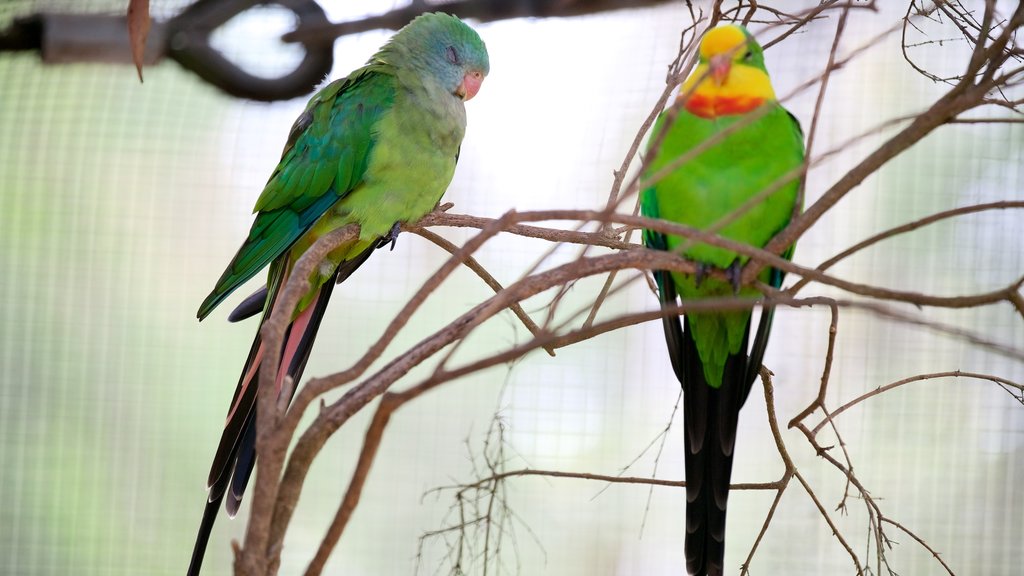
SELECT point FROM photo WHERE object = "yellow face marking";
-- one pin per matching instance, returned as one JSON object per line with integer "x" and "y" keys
{"x": 723, "y": 40}
{"x": 745, "y": 87}
{"x": 745, "y": 81}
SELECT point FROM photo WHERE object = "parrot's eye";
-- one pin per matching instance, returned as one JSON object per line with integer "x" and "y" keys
{"x": 748, "y": 56}
{"x": 452, "y": 55}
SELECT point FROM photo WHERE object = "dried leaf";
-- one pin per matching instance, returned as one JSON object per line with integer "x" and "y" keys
{"x": 138, "y": 30}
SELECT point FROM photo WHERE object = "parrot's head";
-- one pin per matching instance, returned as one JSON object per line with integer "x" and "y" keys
{"x": 441, "y": 49}
{"x": 730, "y": 77}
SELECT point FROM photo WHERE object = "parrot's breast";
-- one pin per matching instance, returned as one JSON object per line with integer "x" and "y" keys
{"x": 745, "y": 89}
{"x": 715, "y": 105}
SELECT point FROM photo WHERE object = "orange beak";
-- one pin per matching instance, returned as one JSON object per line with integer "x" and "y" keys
{"x": 470, "y": 85}
{"x": 720, "y": 66}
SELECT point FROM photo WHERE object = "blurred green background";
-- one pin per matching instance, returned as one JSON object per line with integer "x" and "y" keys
{"x": 120, "y": 203}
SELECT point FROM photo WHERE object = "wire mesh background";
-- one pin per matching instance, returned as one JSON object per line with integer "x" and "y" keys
{"x": 122, "y": 202}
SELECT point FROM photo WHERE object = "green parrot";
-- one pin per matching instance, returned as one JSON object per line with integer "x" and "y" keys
{"x": 708, "y": 350}
{"x": 376, "y": 148}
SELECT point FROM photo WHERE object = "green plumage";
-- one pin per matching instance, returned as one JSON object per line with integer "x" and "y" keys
{"x": 324, "y": 159}
{"x": 732, "y": 161}
{"x": 707, "y": 189}
{"x": 376, "y": 148}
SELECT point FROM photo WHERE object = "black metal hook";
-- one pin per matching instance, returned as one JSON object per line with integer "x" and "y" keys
{"x": 64, "y": 38}
{"x": 188, "y": 42}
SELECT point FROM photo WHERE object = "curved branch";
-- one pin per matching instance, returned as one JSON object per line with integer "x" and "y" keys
{"x": 371, "y": 443}
{"x": 936, "y": 555}
{"x": 761, "y": 256}
{"x": 255, "y": 557}
{"x": 908, "y": 227}
{"x": 304, "y": 452}
{"x": 769, "y": 398}
{"x": 917, "y": 378}
{"x": 596, "y": 477}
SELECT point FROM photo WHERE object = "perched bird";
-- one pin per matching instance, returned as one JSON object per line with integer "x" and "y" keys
{"x": 376, "y": 148}
{"x": 746, "y": 151}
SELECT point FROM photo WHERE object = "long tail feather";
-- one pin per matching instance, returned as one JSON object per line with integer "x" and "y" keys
{"x": 203, "y": 537}
{"x": 241, "y": 416}
{"x": 298, "y": 344}
{"x": 252, "y": 305}
{"x": 710, "y": 418}
{"x": 244, "y": 464}
{"x": 235, "y": 458}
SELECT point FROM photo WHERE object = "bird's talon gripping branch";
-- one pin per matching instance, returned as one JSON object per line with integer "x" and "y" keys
{"x": 391, "y": 237}
{"x": 734, "y": 273}
{"x": 701, "y": 273}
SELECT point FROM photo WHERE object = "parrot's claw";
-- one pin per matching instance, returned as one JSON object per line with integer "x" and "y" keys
{"x": 702, "y": 272}
{"x": 734, "y": 273}
{"x": 392, "y": 236}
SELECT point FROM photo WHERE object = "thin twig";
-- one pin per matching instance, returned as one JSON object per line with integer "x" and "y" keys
{"x": 769, "y": 398}
{"x": 918, "y": 378}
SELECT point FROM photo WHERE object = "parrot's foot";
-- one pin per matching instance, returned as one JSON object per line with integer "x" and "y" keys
{"x": 702, "y": 272}
{"x": 392, "y": 236}
{"x": 734, "y": 273}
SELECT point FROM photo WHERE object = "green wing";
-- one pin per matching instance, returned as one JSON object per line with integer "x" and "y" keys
{"x": 324, "y": 159}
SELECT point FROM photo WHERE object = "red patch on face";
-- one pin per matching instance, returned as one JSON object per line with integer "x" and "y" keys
{"x": 714, "y": 106}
